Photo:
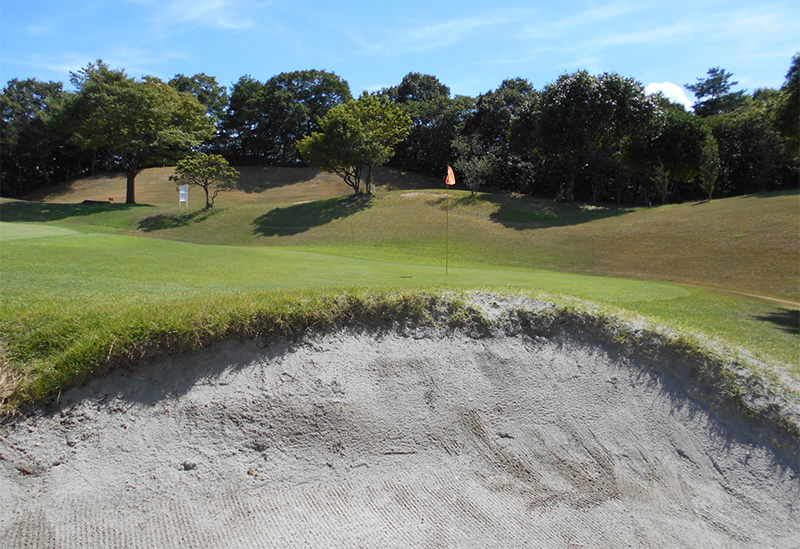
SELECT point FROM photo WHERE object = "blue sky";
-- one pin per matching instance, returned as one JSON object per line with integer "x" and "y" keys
{"x": 470, "y": 46}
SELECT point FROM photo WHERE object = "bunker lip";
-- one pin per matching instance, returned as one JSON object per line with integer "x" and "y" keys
{"x": 498, "y": 422}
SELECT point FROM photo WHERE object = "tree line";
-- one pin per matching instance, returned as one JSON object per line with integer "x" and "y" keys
{"x": 594, "y": 138}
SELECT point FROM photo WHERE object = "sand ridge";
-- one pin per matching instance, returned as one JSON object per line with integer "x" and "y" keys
{"x": 408, "y": 437}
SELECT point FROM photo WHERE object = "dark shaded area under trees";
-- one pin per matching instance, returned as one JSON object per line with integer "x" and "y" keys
{"x": 582, "y": 137}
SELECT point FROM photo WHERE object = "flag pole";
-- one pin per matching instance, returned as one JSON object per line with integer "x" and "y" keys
{"x": 447, "y": 230}
{"x": 449, "y": 180}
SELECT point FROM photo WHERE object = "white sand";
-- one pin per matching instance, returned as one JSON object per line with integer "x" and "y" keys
{"x": 406, "y": 439}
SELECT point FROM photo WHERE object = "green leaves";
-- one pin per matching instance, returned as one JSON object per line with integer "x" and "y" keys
{"x": 141, "y": 122}
{"x": 583, "y": 117}
{"x": 211, "y": 172}
{"x": 267, "y": 120}
{"x": 356, "y": 135}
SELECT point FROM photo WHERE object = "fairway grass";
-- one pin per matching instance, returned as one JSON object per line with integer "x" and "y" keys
{"x": 21, "y": 231}
{"x": 74, "y": 302}
{"x": 747, "y": 244}
{"x": 82, "y": 290}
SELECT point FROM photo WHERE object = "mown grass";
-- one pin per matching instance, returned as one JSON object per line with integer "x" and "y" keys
{"x": 746, "y": 244}
{"x": 75, "y": 302}
{"x": 81, "y": 292}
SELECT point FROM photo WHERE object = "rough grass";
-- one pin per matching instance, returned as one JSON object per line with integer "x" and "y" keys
{"x": 264, "y": 184}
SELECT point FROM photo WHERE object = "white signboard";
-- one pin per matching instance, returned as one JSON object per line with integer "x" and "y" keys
{"x": 184, "y": 196}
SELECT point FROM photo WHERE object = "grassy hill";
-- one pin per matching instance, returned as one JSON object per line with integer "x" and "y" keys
{"x": 81, "y": 288}
{"x": 746, "y": 244}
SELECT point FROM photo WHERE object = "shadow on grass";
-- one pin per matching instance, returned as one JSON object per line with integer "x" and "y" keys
{"x": 39, "y": 212}
{"x": 530, "y": 213}
{"x": 303, "y": 217}
{"x": 165, "y": 221}
{"x": 788, "y": 320}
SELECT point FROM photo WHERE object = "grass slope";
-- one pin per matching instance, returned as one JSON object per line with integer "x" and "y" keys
{"x": 746, "y": 244}
{"x": 79, "y": 290}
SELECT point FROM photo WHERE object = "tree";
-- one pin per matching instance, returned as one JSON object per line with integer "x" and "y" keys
{"x": 751, "y": 152}
{"x": 677, "y": 146}
{"x": 709, "y": 168}
{"x": 787, "y": 110}
{"x": 314, "y": 93}
{"x": 210, "y": 172}
{"x": 266, "y": 120}
{"x": 478, "y": 163}
{"x": 355, "y": 137}
{"x": 243, "y": 128}
{"x": 488, "y": 129}
{"x": 207, "y": 91}
{"x": 713, "y": 93}
{"x": 581, "y": 120}
{"x": 417, "y": 88}
{"x": 140, "y": 122}
{"x": 32, "y": 151}
{"x": 435, "y": 119}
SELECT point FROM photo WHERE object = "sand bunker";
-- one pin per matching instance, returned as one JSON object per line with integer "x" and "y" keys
{"x": 398, "y": 438}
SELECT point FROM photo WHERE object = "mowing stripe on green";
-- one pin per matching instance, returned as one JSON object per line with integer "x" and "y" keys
{"x": 18, "y": 231}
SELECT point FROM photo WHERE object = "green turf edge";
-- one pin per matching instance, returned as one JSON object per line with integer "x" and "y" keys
{"x": 752, "y": 387}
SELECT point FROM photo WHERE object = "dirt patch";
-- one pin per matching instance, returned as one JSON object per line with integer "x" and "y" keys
{"x": 410, "y": 437}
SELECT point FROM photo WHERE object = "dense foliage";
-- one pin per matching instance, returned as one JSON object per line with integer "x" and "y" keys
{"x": 356, "y": 136}
{"x": 583, "y": 137}
{"x": 210, "y": 172}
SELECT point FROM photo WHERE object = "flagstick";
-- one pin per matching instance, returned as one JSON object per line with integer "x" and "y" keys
{"x": 447, "y": 230}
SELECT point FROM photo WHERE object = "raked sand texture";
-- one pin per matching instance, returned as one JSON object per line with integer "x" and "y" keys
{"x": 397, "y": 439}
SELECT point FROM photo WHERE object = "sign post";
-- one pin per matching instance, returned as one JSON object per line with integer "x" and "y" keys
{"x": 184, "y": 195}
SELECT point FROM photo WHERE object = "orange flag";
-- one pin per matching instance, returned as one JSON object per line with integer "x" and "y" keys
{"x": 451, "y": 177}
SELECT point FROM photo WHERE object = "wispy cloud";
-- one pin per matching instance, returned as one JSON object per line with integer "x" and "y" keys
{"x": 219, "y": 14}
{"x": 662, "y": 34}
{"x": 40, "y": 29}
{"x": 135, "y": 61}
{"x": 592, "y": 16}
{"x": 412, "y": 38}
{"x": 62, "y": 64}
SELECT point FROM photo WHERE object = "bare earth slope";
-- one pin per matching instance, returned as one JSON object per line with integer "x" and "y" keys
{"x": 399, "y": 437}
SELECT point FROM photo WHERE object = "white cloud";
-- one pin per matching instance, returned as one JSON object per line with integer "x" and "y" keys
{"x": 588, "y": 17}
{"x": 649, "y": 36}
{"x": 673, "y": 92}
{"x": 213, "y": 13}
{"x": 42, "y": 29}
{"x": 221, "y": 14}
{"x": 427, "y": 37}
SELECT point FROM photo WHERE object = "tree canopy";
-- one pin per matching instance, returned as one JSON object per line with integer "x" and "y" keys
{"x": 355, "y": 137}
{"x": 210, "y": 172}
{"x": 29, "y": 143}
{"x": 676, "y": 147}
{"x": 140, "y": 122}
{"x": 207, "y": 91}
{"x": 265, "y": 120}
{"x": 714, "y": 93}
{"x": 787, "y": 109}
{"x": 582, "y": 118}
{"x": 582, "y": 137}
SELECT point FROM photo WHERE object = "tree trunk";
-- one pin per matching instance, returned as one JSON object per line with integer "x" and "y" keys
{"x": 663, "y": 183}
{"x": 130, "y": 190}
{"x": 596, "y": 192}
{"x": 569, "y": 190}
{"x": 370, "y": 181}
